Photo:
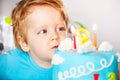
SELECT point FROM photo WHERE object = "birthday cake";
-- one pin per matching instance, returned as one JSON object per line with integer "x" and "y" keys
{"x": 84, "y": 62}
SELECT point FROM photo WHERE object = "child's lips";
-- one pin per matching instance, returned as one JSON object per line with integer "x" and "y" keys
{"x": 55, "y": 47}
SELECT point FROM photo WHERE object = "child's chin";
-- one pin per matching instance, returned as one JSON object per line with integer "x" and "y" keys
{"x": 54, "y": 49}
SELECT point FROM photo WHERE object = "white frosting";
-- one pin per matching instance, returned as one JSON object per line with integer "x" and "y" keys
{"x": 72, "y": 73}
{"x": 86, "y": 47}
{"x": 66, "y": 44}
{"x": 105, "y": 46}
{"x": 57, "y": 59}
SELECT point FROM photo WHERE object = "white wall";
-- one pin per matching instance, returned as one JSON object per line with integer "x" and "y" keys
{"x": 6, "y": 6}
{"x": 104, "y": 13}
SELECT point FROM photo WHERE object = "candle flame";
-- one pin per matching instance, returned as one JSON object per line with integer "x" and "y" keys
{"x": 73, "y": 30}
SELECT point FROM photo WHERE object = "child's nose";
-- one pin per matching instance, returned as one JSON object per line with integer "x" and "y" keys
{"x": 53, "y": 35}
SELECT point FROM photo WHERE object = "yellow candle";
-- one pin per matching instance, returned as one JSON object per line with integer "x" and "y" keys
{"x": 94, "y": 36}
{"x": 83, "y": 34}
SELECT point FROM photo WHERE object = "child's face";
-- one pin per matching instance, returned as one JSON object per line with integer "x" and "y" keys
{"x": 46, "y": 29}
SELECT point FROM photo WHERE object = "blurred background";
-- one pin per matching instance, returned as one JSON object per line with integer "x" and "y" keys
{"x": 104, "y": 13}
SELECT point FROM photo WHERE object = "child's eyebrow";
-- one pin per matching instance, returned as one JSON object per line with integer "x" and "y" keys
{"x": 61, "y": 23}
{"x": 40, "y": 27}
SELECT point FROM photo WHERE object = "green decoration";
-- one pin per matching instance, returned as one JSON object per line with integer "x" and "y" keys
{"x": 81, "y": 25}
{"x": 8, "y": 20}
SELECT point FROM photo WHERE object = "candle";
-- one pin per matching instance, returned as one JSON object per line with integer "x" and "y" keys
{"x": 83, "y": 34}
{"x": 74, "y": 36}
{"x": 94, "y": 36}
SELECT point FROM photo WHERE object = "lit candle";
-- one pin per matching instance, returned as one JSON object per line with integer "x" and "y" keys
{"x": 74, "y": 37}
{"x": 94, "y": 36}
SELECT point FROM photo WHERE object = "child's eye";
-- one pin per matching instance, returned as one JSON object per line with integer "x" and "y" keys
{"x": 43, "y": 31}
{"x": 61, "y": 29}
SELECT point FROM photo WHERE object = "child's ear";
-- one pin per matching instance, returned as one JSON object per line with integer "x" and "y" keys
{"x": 24, "y": 45}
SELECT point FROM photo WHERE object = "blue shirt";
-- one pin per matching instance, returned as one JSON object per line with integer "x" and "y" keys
{"x": 18, "y": 65}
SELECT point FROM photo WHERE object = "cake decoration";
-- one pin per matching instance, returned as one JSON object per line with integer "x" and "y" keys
{"x": 57, "y": 59}
{"x": 81, "y": 70}
{"x": 105, "y": 46}
{"x": 64, "y": 44}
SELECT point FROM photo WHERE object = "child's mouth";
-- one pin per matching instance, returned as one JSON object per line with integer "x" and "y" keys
{"x": 55, "y": 47}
